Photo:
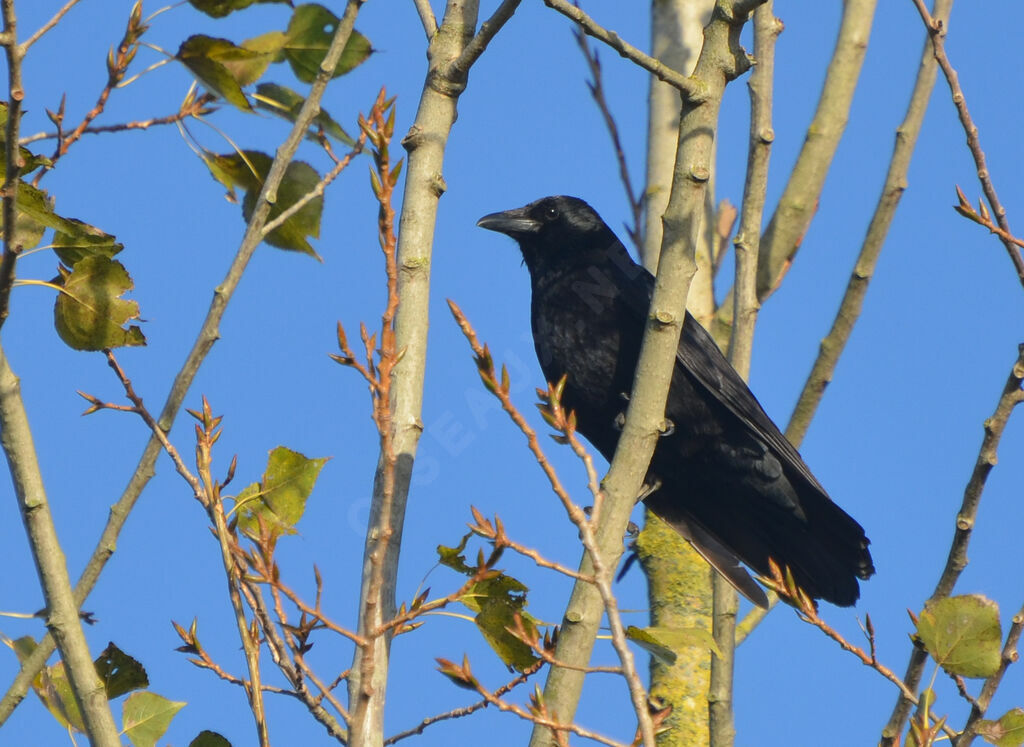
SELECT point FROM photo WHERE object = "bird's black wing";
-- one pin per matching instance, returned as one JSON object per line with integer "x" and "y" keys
{"x": 699, "y": 355}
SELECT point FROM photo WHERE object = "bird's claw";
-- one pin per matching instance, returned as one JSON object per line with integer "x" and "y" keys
{"x": 648, "y": 489}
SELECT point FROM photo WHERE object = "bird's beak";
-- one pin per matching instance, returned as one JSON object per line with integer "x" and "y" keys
{"x": 513, "y": 223}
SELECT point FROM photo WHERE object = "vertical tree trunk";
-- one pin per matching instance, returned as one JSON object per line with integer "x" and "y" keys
{"x": 425, "y": 143}
{"x": 679, "y": 580}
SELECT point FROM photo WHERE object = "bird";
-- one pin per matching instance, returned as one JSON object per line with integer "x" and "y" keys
{"x": 723, "y": 475}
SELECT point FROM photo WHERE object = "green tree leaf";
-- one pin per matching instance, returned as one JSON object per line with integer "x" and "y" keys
{"x": 1008, "y": 731}
{"x": 89, "y": 314}
{"x": 120, "y": 673}
{"x": 662, "y": 642}
{"x": 284, "y": 102}
{"x": 309, "y": 35}
{"x": 208, "y": 738}
{"x": 221, "y": 8}
{"x": 28, "y": 231}
{"x": 453, "y": 557}
{"x": 222, "y": 67}
{"x": 248, "y": 169}
{"x": 72, "y": 248}
{"x": 146, "y": 717}
{"x": 497, "y": 614}
{"x": 35, "y": 208}
{"x": 962, "y": 634}
{"x": 279, "y": 500}
{"x": 51, "y": 686}
{"x": 30, "y": 160}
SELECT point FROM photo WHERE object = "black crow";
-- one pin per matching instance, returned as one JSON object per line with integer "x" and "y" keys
{"x": 722, "y": 475}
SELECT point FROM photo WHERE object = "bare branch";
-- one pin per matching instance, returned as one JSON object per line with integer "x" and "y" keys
{"x": 624, "y": 48}
{"x": 937, "y": 31}
{"x": 980, "y": 705}
{"x": 483, "y": 37}
{"x": 62, "y": 617}
{"x": 48, "y": 25}
{"x": 465, "y": 710}
{"x": 596, "y": 86}
{"x": 426, "y": 14}
{"x": 208, "y": 335}
{"x": 721, "y": 60}
{"x": 190, "y": 108}
{"x": 602, "y": 573}
{"x": 799, "y": 200}
{"x": 956, "y": 561}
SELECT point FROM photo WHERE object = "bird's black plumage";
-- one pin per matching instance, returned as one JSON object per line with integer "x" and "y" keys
{"x": 729, "y": 480}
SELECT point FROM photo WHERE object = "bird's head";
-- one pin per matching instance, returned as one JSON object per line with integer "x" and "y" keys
{"x": 555, "y": 231}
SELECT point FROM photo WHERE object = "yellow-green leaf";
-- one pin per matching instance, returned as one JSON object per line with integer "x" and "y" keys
{"x": 284, "y": 102}
{"x": 146, "y": 716}
{"x": 279, "y": 499}
{"x": 222, "y": 67}
{"x": 309, "y": 33}
{"x": 248, "y": 169}
{"x": 662, "y": 643}
{"x": 1008, "y": 731}
{"x": 962, "y": 634}
{"x": 220, "y": 8}
{"x": 88, "y": 241}
{"x": 90, "y": 314}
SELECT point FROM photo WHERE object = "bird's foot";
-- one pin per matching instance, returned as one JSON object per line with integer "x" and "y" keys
{"x": 648, "y": 489}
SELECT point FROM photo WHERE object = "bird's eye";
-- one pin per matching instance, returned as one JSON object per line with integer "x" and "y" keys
{"x": 551, "y": 212}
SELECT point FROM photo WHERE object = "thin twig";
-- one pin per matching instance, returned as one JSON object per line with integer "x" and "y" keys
{"x": 206, "y": 435}
{"x": 661, "y": 71}
{"x": 807, "y": 611}
{"x": 980, "y": 705}
{"x": 725, "y": 601}
{"x": 460, "y": 67}
{"x": 371, "y": 660}
{"x": 602, "y": 573}
{"x": 937, "y": 30}
{"x": 48, "y": 25}
{"x": 538, "y": 716}
{"x": 191, "y": 108}
{"x": 208, "y": 334}
{"x": 117, "y": 66}
{"x": 956, "y": 561}
{"x": 465, "y": 710}
{"x": 799, "y": 201}
{"x": 495, "y": 532}
{"x": 320, "y": 187}
{"x": 596, "y": 87}
{"x": 833, "y": 345}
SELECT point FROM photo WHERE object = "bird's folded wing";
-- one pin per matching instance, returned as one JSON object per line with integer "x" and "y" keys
{"x": 721, "y": 559}
{"x": 699, "y": 355}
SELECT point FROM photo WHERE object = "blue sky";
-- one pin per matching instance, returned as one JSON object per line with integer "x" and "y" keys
{"x": 894, "y": 440}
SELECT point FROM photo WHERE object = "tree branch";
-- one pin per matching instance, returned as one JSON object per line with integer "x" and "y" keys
{"x": 426, "y": 14}
{"x": 624, "y": 48}
{"x": 937, "y": 31}
{"x": 602, "y": 573}
{"x": 425, "y": 142}
{"x": 799, "y": 200}
{"x": 62, "y": 617}
{"x": 721, "y": 60}
{"x": 980, "y": 705}
{"x": 956, "y": 561}
{"x": 209, "y": 333}
{"x": 726, "y": 602}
